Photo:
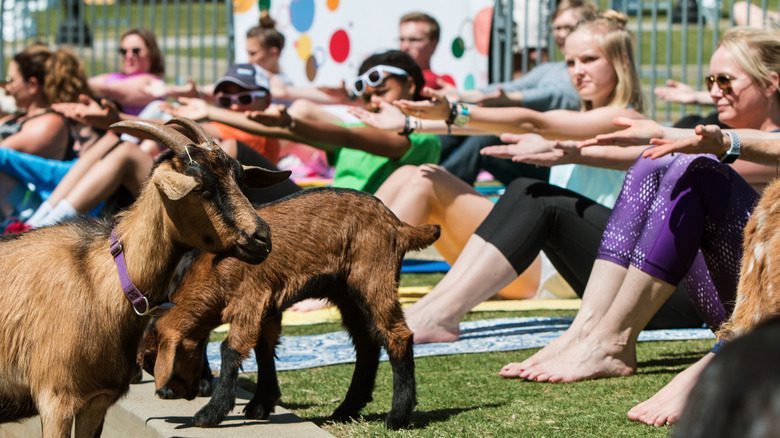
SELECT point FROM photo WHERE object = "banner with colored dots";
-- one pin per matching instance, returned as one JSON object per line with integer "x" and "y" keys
{"x": 326, "y": 40}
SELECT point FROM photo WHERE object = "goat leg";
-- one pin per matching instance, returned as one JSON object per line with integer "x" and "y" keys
{"x": 267, "y": 393}
{"x": 206, "y": 386}
{"x": 224, "y": 398}
{"x": 401, "y": 357}
{"x": 367, "y": 352}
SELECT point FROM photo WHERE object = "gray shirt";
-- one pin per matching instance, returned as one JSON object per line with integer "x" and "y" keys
{"x": 545, "y": 87}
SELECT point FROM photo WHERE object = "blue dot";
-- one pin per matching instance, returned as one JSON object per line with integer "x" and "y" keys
{"x": 302, "y": 14}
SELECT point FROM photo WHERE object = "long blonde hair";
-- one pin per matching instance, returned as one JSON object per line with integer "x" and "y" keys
{"x": 609, "y": 29}
{"x": 756, "y": 51}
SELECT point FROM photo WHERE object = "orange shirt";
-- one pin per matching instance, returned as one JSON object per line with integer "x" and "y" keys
{"x": 267, "y": 147}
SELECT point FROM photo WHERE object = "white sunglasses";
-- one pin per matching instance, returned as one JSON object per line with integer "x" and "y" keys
{"x": 374, "y": 76}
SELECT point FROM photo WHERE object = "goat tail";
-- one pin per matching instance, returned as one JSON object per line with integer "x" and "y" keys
{"x": 12, "y": 409}
{"x": 418, "y": 237}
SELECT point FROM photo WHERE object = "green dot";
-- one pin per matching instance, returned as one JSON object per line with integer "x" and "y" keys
{"x": 264, "y": 5}
{"x": 458, "y": 47}
{"x": 468, "y": 83}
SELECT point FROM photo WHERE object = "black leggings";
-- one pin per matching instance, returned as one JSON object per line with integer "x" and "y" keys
{"x": 533, "y": 216}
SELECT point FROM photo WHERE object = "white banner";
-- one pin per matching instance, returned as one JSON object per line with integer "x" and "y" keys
{"x": 326, "y": 40}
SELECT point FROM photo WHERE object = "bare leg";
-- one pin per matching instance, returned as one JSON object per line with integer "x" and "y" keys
{"x": 126, "y": 165}
{"x": 430, "y": 194}
{"x": 479, "y": 272}
{"x": 80, "y": 168}
{"x": 605, "y": 280}
{"x": 609, "y": 350}
{"x": 666, "y": 405}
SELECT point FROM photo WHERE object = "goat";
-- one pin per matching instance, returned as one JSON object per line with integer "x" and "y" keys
{"x": 338, "y": 244}
{"x": 69, "y": 335}
{"x": 759, "y": 279}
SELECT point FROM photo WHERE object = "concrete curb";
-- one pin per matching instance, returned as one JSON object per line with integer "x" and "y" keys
{"x": 140, "y": 414}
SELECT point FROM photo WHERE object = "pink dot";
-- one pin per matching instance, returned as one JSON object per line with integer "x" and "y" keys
{"x": 482, "y": 23}
{"x": 339, "y": 45}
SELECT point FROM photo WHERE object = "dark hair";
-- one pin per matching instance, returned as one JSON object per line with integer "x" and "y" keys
{"x": 738, "y": 393}
{"x": 422, "y": 17}
{"x": 266, "y": 33}
{"x": 402, "y": 60}
{"x": 59, "y": 73}
{"x": 157, "y": 63}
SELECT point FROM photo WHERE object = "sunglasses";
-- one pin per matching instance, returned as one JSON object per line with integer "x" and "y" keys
{"x": 375, "y": 76}
{"x": 723, "y": 81}
{"x": 136, "y": 51}
{"x": 243, "y": 98}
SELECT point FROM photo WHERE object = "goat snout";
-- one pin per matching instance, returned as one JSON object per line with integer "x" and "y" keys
{"x": 254, "y": 248}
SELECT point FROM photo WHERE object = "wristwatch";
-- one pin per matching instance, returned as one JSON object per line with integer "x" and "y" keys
{"x": 462, "y": 117}
{"x": 732, "y": 154}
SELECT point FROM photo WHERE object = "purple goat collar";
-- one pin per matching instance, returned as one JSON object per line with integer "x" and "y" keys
{"x": 132, "y": 293}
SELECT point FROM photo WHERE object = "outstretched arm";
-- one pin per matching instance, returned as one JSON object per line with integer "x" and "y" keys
{"x": 557, "y": 124}
{"x": 756, "y": 146}
{"x": 536, "y": 150}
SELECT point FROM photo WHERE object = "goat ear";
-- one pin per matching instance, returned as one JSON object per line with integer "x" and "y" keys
{"x": 258, "y": 177}
{"x": 163, "y": 366}
{"x": 174, "y": 184}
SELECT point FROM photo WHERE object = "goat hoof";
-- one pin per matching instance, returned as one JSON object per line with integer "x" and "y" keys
{"x": 258, "y": 411}
{"x": 206, "y": 388}
{"x": 207, "y": 417}
{"x": 395, "y": 422}
{"x": 344, "y": 415}
{"x": 166, "y": 394}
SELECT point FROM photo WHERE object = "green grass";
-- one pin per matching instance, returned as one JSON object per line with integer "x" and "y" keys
{"x": 462, "y": 395}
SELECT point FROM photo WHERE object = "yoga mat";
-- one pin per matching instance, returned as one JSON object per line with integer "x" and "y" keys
{"x": 414, "y": 266}
{"x": 502, "y": 334}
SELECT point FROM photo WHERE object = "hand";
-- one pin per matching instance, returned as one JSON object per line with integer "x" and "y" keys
{"x": 89, "y": 112}
{"x": 274, "y": 115}
{"x": 709, "y": 139}
{"x": 497, "y": 98}
{"x": 339, "y": 93}
{"x": 637, "y": 132}
{"x": 388, "y": 118}
{"x": 191, "y": 108}
{"x": 188, "y": 89}
{"x": 447, "y": 90}
{"x": 676, "y": 92}
{"x": 437, "y": 108}
{"x": 533, "y": 149}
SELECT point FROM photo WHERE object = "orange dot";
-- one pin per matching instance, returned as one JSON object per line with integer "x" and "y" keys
{"x": 242, "y": 5}
{"x": 333, "y": 4}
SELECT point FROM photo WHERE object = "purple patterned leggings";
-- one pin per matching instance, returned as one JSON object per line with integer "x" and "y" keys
{"x": 681, "y": 218}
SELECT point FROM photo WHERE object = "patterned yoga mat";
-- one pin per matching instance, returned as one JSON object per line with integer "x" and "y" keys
{"x": 502, "y": 334}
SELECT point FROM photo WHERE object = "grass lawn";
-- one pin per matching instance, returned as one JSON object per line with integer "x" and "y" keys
{"x": 463, "y": 396}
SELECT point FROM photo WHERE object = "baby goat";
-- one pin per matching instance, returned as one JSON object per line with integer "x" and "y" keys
{"x": 68, "y": 334}
{"x": 338, "y": 244}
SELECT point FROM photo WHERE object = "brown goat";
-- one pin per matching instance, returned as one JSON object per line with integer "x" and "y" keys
{"x": 69, "y": 335}
{"x": 342, "y": 245}
{"x": 758, "y": 291}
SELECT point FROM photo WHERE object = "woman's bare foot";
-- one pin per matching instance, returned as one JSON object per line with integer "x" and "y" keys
{"x": 428, "y": 329}
{"x": 310, "y": 304}
{"x": 667, "y": 404}
{"x": 584, "y": 360}
{"x": 521, "y": 369}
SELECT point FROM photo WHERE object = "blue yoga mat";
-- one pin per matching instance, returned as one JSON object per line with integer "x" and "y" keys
{"x": 502, "y": 334}
{"x": 414, "y": 266}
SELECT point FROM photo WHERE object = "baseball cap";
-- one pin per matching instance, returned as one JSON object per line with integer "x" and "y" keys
{"x": 249, "y": 76}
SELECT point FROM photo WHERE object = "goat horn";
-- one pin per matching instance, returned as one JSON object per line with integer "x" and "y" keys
{"x": 168, "y": 136}
{"x": 194, "y": 131}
